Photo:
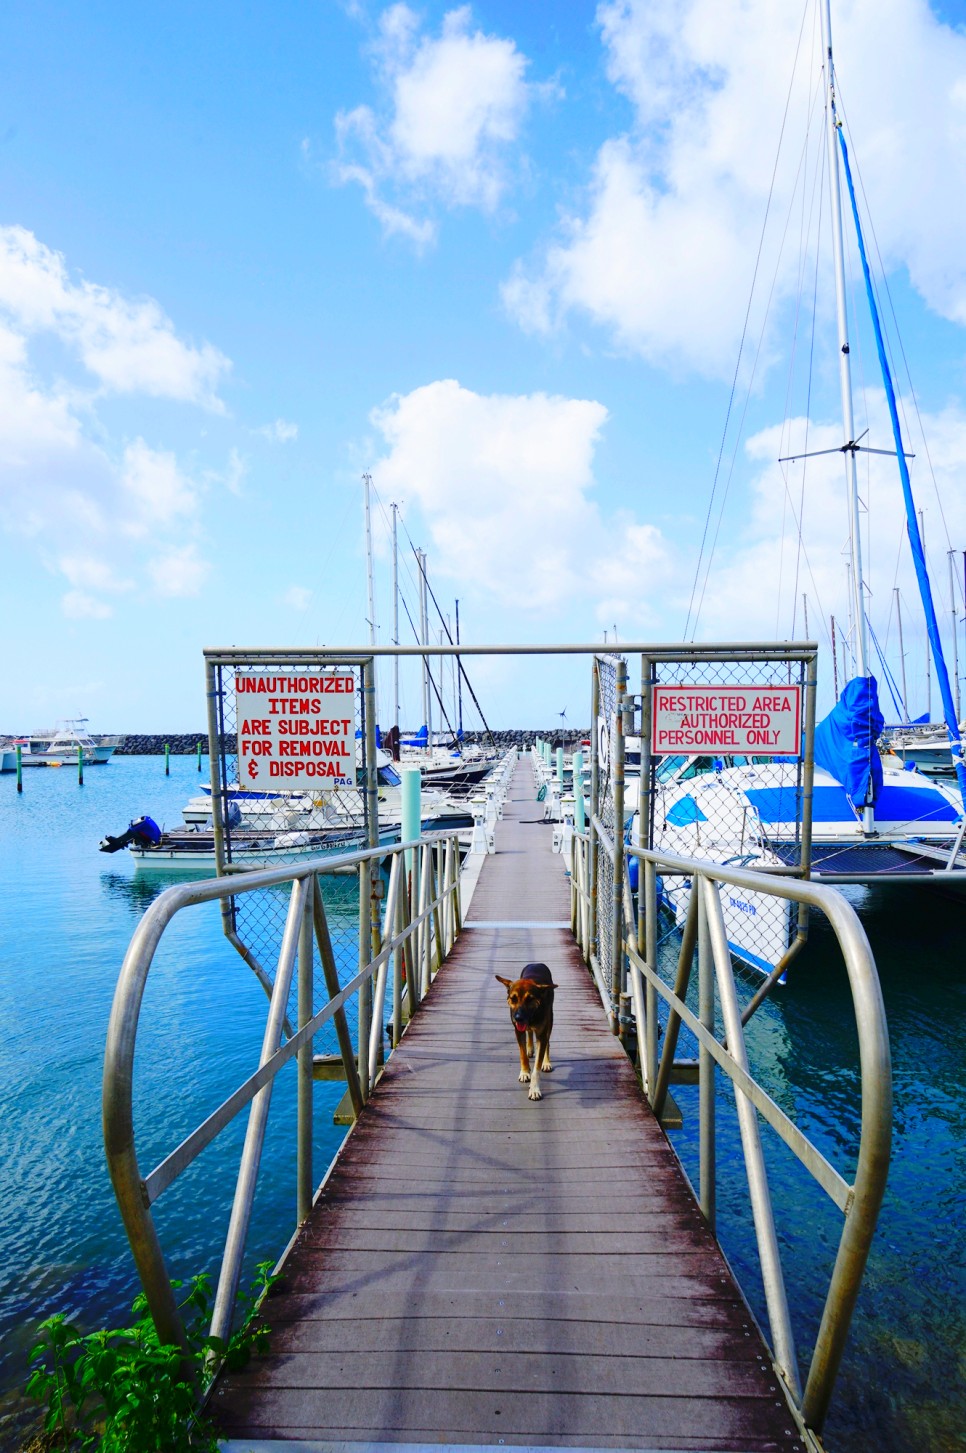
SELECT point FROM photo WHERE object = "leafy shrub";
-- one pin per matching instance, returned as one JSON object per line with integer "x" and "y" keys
{"x": 124, "y": 1391}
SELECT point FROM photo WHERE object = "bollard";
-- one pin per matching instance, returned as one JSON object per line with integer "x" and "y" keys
{"x": 167, "y": 761}
{"x": 80, "y": 764}
{"x": 19, "y": 768}
{"x": 411, "y": 825}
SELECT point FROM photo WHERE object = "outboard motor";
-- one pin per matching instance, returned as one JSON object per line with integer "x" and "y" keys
{"x": 143, "y": 831}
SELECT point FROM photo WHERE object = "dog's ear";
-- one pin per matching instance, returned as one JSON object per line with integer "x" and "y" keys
{"x": 507, "y": 982}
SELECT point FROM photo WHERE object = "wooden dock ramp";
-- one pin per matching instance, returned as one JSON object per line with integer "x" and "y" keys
{"x": 482, "y": 1270}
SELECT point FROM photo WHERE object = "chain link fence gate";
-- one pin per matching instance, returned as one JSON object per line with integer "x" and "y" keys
{"x": 688, "y": 803}
{"x": 260, "y": 823}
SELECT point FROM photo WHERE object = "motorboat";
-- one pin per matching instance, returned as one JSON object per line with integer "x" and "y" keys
{"x": 62, "y": 746}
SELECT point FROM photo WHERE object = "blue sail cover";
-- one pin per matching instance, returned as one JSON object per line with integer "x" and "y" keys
{"x": 845, "y": 741}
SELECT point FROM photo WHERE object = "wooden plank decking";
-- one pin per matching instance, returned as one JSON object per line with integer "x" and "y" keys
{"x": 485, "y": 1270}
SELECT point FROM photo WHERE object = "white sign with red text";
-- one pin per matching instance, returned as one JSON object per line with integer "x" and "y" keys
{"x": 296, "y": 732}
{"x": 760, "y": 721}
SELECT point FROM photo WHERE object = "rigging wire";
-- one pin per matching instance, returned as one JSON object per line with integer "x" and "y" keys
{"x": 744, "y": 333}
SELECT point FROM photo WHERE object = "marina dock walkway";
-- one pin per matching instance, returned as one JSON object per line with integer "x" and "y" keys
{"x": 485, "y": 1270}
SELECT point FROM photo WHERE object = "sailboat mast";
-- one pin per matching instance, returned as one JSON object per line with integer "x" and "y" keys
{"x": 395, "y": 620}
{"x": 902, "y": 659}
{"x": 861, "y": 640}
{"x": 857, "y": 603}
{"x": 424, "y": 635}
{"x": 953, "y": 613}
{"x": 922, "y": 536}
{"x": 366, "y": 481}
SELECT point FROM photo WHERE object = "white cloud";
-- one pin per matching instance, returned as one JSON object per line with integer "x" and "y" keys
{"x": 662, "y": 253}
{"x": 129, "y": 345}
{"x": 299, "y": 597}
{"x": 78, "y": 606}
{"x": 97, "y": 513}
{"x": 445, "y": 131}
{"x": 157, "y": 488}
{"x": 280, "y": 432}
{"x": 89, "y": 573}
{"x": 505, "y": 486}
{"x": 180, "y": 571}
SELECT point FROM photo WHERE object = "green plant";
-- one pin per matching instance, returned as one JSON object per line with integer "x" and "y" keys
{"x": 124, "y": 1391}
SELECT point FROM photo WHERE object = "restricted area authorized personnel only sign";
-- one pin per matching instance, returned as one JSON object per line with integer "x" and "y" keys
{"x": 763, "y": 721}
{"x": 296, "y": 732}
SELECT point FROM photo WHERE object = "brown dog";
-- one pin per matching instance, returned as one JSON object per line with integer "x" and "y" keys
{"x": 531, "y": 1012}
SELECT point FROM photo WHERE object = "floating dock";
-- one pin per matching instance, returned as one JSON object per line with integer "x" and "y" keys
{"x": 485, "y": 1271}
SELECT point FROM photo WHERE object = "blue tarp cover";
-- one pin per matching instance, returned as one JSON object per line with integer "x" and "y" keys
{"x": 845, "y": 741}
{"x": 780, "y": 805}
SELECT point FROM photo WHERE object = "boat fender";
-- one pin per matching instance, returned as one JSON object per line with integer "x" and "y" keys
{"x": 234, "y": 815}
{"x": 633, "y": 870}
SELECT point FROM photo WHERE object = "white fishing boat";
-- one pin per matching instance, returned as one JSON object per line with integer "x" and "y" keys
{"x": 870, "y": 823}
{"x": 191, "y": 850}
{"x": 60, "y": 747}
{"x": 926, "y": 748}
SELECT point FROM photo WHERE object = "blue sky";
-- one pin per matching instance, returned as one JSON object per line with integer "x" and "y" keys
{"x": 499, "y": 256}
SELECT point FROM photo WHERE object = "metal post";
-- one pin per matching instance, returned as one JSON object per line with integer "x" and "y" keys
{"x": 761, "y": 1210}
{"x": 617, "y": 902}
{"x": 19, "y": 767}
{"x": 80, "y": 764}
{"x": 304, "y": 1186}
{"x": 332, "y": 986}
{"x": 647, "y": 901}
{"x": 706, "y": 1086}
{"x": 167, "y": 759}
{"x": 257, "y": 1120}
{"x": 199, "y": 756}
{"x": 592, "y": 848}
{"x": 371, "y": 926}
{"x": 365, "y": 990}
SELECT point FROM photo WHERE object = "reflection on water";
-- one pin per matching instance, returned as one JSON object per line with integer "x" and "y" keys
{"x": 898, "y": 1388}
{"x": 138, "y": 893}
{"x": 67, "y": 914}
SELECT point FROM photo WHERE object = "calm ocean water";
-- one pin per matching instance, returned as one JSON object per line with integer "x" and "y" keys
{"x": 67, "y": 913}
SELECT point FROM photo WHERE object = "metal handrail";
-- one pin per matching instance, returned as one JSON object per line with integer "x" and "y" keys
{"x": 858, "y": 1200}
{"x": 423, "y": 932}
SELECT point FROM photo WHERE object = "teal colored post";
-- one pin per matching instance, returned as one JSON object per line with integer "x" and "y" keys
{"x": 19, "y": 768}
{"x": 547, "y": 753}
{"x": 580, "y": 821}
{"x": 411, "y": 808}
{"x": 167, "y": 762}
{"x": 80, "y": 764}
{"x": 199, "y": 756}
{"x": 560, "y": 765}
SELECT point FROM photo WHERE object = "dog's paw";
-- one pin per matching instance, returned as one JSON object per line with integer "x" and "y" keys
{"x": 524, "y": 1077}
{"x": 546, "y": 1067}
{"x": 534, "y": 1093}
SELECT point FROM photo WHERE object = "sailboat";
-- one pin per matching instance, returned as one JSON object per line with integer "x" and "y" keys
{"x": 870, "y": 823}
